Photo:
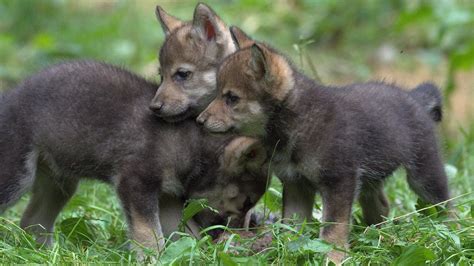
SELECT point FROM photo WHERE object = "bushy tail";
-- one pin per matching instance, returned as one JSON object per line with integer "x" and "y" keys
{"x": 428, "y": 95}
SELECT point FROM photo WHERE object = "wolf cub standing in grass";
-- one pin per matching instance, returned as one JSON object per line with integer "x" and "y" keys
{"x": 342, "y": 142}
{"x": 88, "y": 119}
{"x": 189, "y": 58}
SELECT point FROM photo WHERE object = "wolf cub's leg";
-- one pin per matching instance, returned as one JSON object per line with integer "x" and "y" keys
{"x": 298, "y": 199}
{"x": 373, "y": 201}
{"x": 338, "y": 197}
{"x": 426, "y": 174}
{"x": 49, "y": 196}
{"x": 17, "y": 170}
{"x": 141, "y": 205}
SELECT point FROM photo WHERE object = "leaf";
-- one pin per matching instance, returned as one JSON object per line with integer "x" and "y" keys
{"x": 454, "y": 238}
{"x": 192, "y": 208}
{"x": 177, "y": 250}
{"x": 305, "y": 244}
{"x": 429, "y": 211}
{"x": 272, "y": 200}
{"x": 317, "y": 246}
{"x": 250, "y": 261}
{"x": 415, "y": 255}
{"x": 226, "y": 259}
{"x": 285, "y": 227}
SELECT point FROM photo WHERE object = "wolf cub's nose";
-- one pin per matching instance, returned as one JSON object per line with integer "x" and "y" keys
{"x": 201, "y": 119}
{"x": 156, "y": 107}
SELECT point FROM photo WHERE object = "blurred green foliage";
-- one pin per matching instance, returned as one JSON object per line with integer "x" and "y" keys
{"x": 334, "y": 41}
{"x": 37, "y": 33}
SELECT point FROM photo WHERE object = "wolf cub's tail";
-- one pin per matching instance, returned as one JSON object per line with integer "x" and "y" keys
{"x": 428, "y": 95}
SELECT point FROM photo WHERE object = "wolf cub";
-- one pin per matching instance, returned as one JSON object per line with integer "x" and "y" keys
{"x": 90, "y": 120}
{"x": 189, "y": 58}
{"x": 340, "y": 141}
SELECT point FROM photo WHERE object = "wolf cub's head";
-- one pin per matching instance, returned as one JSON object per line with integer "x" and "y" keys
{"x": 250, "y": 84}
{"x": 233, "y": 186}
{"x": 189, "y": 59}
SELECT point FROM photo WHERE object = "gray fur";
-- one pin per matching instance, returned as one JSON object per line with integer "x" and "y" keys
{"x": 341, "y": 138}
{"x": 196, "y": 48}
{"x": 362, "y": 131}
{"x": 429, "y": 96}
{"x": 338, "y": 141}
{"x": 88, "y": 119}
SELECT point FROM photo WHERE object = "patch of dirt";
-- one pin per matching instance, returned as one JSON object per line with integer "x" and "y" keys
{"x": 258, "y": 242}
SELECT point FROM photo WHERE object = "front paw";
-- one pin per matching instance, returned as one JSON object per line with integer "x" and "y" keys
{"x": 335, "y": 256}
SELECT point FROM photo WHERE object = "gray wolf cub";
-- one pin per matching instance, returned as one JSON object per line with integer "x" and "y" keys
{"x": 189, "y": 58}
{"x": 342, "y": 142}
{"x": 88, "y": 119}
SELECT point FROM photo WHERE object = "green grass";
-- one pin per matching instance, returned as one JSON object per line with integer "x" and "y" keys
{"x": 91, "y": 229}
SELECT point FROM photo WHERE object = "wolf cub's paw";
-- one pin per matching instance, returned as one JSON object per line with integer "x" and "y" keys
{"x": 335, "y": 256}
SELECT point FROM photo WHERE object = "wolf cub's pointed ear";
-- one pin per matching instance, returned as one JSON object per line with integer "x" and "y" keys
{"x": 241, "y": 40}
{"x": 211, "y": 29}
{"x": 244, "y": 153}
{"x": 168, "y": 22}
{"x": 207, "y": 23}
{"x": 259, "y": 61}
{"x": 273, "y": 69}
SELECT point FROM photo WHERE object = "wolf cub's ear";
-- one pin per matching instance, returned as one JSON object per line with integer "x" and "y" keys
{"x": 244, "y": 153}
{"x": 207, "y": 23}
{"x": 259, "y": 62}
{"x": 168, "y": 22}
{"x": 240, "y": 38}
{"x": 211, "y": 29}
{"x": 272, "y": 68}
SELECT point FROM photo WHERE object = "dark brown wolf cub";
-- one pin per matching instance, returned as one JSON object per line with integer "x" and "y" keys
{"x": 342, "y": 142}
{"x": 189, "y": 58}
{"x": 88, "y": 119}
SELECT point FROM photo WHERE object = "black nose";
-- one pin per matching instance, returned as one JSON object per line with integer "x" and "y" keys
{"x": 200, "y": 120}
{"x": 156, "y": 107}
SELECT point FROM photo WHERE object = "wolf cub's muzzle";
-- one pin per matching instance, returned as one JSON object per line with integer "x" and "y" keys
{"x": 215, "y": 119}
{"x": 171, "y": 104}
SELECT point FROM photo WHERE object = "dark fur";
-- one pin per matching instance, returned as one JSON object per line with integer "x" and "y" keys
{"x": 88, "y": 119}
{"x": 376, "y": 127}
{"x": 429, "y": 96}
{"x": 335, "y": 140}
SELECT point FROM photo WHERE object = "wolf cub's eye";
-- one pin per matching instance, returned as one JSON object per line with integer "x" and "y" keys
{"x": 182, "y": 74}
{"x": 231, "y": 99}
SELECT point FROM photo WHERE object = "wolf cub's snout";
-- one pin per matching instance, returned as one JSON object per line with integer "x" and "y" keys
{"x": 189, "y": 58}
{"x": 238, "y": 185}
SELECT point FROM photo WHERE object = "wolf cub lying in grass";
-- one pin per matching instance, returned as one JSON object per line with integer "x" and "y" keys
{"x": 340, "y": 141}
{"x": 91, "y": 120}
